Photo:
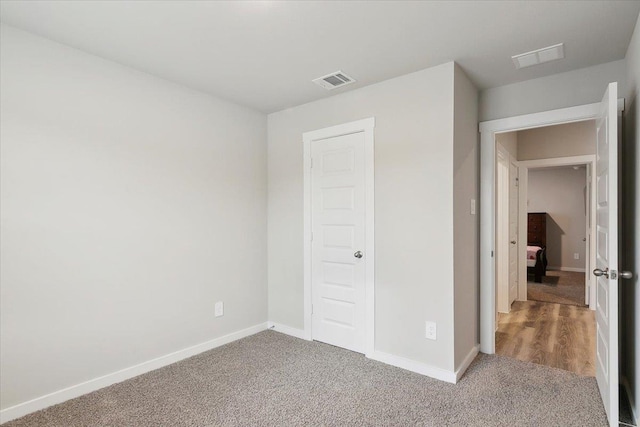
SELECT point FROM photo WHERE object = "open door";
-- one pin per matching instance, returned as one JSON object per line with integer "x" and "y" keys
{"x": 606, "y": 268}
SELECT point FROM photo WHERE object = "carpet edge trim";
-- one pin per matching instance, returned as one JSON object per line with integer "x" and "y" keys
{"x": 77, "y": 390}
{"x": 413, "y": 366}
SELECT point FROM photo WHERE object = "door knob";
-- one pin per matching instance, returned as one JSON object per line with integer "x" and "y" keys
{"x": 358, "y": 254}
{"x": 599, "y": 272}
{"x": 626, "y": 275}
{"x": 513, "y": 242}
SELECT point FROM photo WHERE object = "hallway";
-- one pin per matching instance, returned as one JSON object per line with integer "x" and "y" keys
{"x": 556, "y": 335}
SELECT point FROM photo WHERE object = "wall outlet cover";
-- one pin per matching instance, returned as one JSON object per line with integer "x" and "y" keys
{"x": 219, "y": 309}
{"x": 431, "y": 331}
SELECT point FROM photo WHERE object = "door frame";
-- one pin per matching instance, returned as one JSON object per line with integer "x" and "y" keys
{"x": 488, "y": 131}
{"x": 367, "y": 127}
{"x": 590, "y": 161}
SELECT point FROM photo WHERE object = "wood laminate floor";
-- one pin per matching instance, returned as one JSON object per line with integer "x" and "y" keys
{"x": 557, "y": 335}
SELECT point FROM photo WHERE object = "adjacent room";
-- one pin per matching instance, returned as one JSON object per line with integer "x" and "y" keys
{"x": 284, "y": 213}
{"x": 548, "y": 316}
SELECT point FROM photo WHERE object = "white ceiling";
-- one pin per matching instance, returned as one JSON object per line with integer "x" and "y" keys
{"x": 265, "y": 54}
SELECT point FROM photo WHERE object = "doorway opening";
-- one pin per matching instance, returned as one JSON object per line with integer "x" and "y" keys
{"x": 544, "y": 243}
{"x": 607, "y": 116}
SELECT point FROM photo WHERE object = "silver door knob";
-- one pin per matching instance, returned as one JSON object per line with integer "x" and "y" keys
{"x": 599, "y": 272}
{"x": 513, "y": 242}
{"x": 626, "y": 275}
{"x": 358, "y": 254}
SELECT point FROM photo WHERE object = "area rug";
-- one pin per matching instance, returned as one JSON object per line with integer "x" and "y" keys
{"x": 561, "y": 287}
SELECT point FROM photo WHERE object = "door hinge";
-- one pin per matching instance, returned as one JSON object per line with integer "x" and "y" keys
{"x": 311, "y": 308}
{"x": 312, "y": 163}
{"x": 312, "y": 236}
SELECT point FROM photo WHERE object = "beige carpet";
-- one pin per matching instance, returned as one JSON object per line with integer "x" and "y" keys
{"x": 561, "y": 287}
{"x": 270, "y": 379}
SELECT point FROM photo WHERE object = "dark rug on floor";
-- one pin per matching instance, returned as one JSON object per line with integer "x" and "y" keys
{"x": 271, "y": 379}
{"x": 561, "y": 287}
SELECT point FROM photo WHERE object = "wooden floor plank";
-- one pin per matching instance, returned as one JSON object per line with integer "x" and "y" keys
{"x": 557, "y": 335}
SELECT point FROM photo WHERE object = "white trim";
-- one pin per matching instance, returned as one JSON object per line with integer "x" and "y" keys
{"x": 467, "y": 361}
{"x": 545, "y": 118}
{"x": 413, "y": 366}
{"x": 365, "y": 125}
{"x": 558, "y": 161}
{"x": 488, "y": 131}
{"x": 574, "y": 269}
{"x": 287, "y": 330}
{"x": 627, "y": 388}
{"x": 74, "y": 391}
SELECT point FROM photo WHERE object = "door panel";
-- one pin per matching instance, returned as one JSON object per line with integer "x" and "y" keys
{"x": 607, "y": 254}
{"x": 513, "y": 232}
{"x": 338, "y": 230}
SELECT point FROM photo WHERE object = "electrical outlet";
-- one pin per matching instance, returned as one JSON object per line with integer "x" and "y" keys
{"x": 219, "y": 309}
{"x": 473, "y": 206}
{"x": 576, "y": 256}
{"x": 431, "y": 331}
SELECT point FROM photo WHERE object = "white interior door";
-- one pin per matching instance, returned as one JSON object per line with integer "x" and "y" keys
{"x": 503, "y": 302}
{"x": 338, "y": 241}
{"x": 606, "y": 270}
{"x": 587, "y": 238}
{"x": 513, "y": 232}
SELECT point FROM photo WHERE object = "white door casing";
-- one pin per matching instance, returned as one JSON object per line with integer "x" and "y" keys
{"x": 338, "y": 223}
{"x": 589, "y": 160}
{"x": 607, "y": 253}
{"x": 488, "y": 131}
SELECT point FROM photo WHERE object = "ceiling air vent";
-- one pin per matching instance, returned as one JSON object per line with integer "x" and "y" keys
{"x": 539, "y": 56}
{"x": 333, "y": 80}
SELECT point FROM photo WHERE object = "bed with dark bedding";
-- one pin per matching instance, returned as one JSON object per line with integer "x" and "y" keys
{"x": 537, "y": 245}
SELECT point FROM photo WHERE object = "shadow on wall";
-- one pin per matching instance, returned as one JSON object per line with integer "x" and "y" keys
{"x": 628, "y": 230}
{"x": 554, "y": 242}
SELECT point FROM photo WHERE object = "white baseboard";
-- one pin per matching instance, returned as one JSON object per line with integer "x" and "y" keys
{"x": 77, "y": 390}
{"x": 467, "y": 361}
{"x": 287, "y": 330}
{"x": 413, "y": 366}
{"x": 625, "y": 384}
{"x": 577, "y": 270}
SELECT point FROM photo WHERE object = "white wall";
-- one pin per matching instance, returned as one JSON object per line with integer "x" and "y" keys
{"x": 560, "y": 192}
{"x": 129, "y": 205}
{"x": 630, "y": 231}
{"x": 466, "y": 172}
{"x": 571, "y": 139}
{"x": 413, "y": 208}
{"x": 578, "y": 87}
{"x": 509, "y": 141}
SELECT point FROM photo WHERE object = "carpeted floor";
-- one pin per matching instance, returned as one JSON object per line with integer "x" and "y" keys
{"x": 560, "y": 287}
{"x": 270, "y": 379}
